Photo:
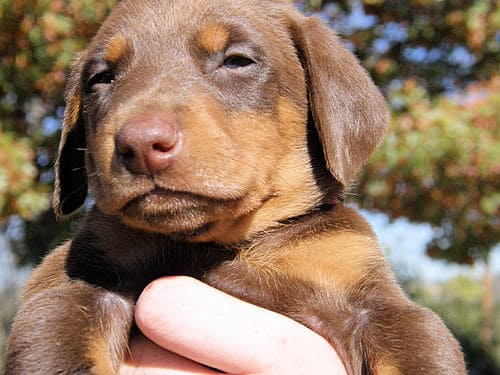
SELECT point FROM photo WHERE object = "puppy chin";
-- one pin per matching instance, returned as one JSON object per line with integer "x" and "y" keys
{"x": 174, "y": 227}
{"x": 192, "y": 226}
{"x": 173, "y": 221}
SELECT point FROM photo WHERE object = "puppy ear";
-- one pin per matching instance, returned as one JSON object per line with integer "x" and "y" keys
{"x": 349, "y": 112}
{"x": 71, "y": 177}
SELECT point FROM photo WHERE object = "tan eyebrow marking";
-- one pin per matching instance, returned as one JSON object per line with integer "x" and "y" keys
{"x": 214, "y": 38}
{"x": 116, "y": 48}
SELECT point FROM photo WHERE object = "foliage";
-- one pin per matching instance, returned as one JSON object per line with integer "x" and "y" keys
{"x": 38, "y": 40}
{"x": 17, "y": 173}
{"x": 445, "y": 44}
{"x": 441, "y": 164}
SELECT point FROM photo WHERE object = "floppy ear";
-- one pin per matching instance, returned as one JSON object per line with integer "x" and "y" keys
{"x": 71, "y": 177}
{"x": 349, "y": 112}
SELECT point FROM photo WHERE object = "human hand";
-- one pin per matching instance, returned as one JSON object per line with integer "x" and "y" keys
{"x": 191, "y": 326}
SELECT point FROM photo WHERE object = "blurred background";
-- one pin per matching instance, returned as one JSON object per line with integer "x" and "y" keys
{"x": 432, "y": 192}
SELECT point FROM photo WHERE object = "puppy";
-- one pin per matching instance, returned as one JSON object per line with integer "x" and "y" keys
{"x": 217, "y": 138}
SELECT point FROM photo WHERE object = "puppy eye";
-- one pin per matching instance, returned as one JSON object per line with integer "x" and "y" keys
{"x": 237, "y": 61}
{"x": 103, "y": 78}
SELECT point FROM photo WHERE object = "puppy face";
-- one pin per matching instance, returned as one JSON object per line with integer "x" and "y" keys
{"x": 193, "y": 118}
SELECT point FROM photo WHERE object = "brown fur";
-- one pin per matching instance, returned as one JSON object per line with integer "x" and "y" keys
{"x": 269, "y": 118}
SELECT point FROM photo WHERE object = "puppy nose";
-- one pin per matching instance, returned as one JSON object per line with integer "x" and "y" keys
{"x": 146, "y": 144}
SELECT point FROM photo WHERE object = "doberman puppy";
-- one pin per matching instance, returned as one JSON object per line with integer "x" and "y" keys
{"x": 217, "y": 138}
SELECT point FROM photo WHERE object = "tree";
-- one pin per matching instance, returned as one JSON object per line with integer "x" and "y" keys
{"x": 441, "y": 164}
{"x": 444, "y": 45}
{"x": 38, "y": 40}
{"x": 18, "y": 195}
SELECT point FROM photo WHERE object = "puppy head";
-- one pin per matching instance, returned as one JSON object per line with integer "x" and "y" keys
{"x": 191, "y": 118}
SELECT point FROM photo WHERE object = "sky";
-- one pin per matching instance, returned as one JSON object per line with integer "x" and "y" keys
{"x": 404, "y": 245}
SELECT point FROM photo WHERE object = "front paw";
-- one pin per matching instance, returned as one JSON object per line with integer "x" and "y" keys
{"x": 72, "y": 329}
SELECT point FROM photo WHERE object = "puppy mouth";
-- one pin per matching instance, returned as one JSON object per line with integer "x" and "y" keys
{"x": 161, "y": 203}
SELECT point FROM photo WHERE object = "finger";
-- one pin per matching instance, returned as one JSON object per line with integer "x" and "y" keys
{"x": 147, "y": 358}
{"x": 210, "y": 327}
